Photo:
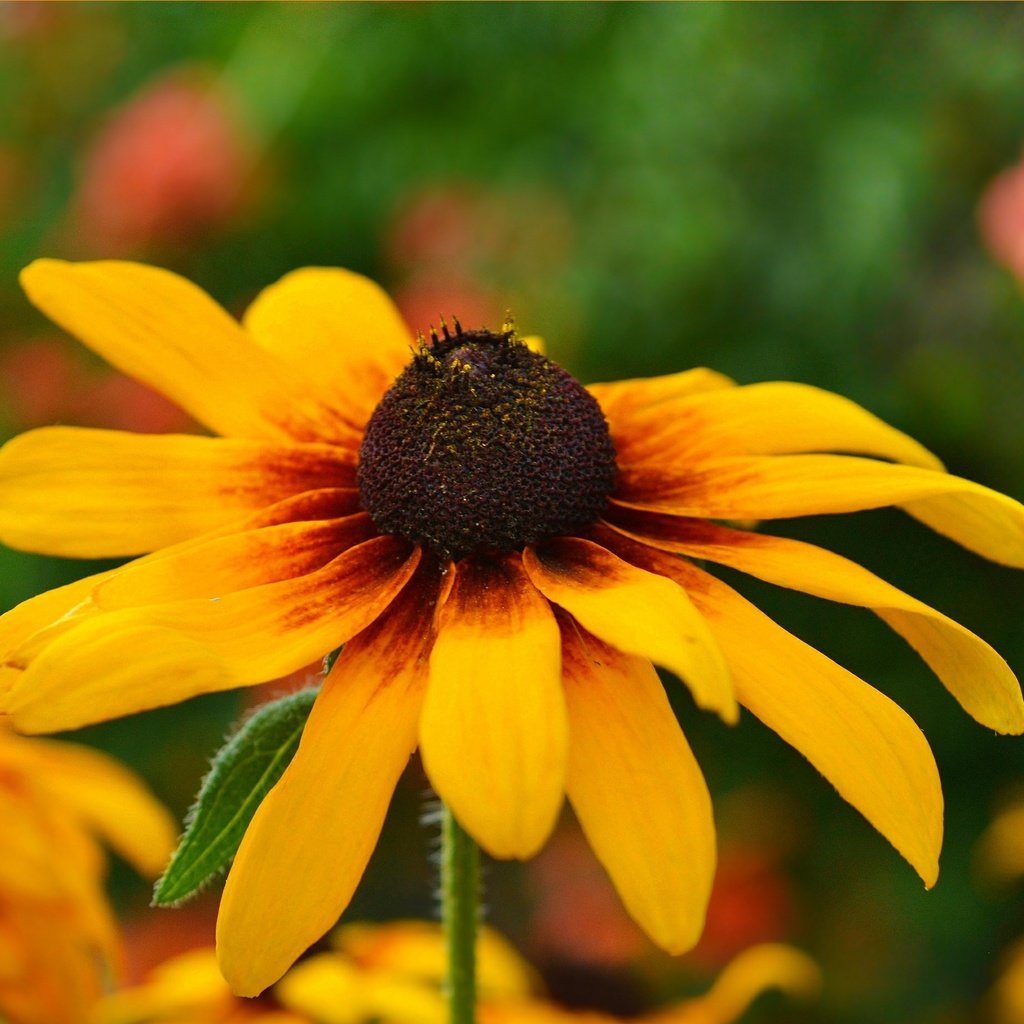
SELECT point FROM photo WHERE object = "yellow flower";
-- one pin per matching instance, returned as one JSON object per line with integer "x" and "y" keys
{"x": 390, "y": 973}
{"x": 1000, "y": 851}
{"x": 58, "y": 941}
{"x": 188, "y": 989}
{"x": 498, "y": 549}
{"x": 755, "y": 970}
{"x": 393, "y": 974}
{"x": 1004, "y": 1001}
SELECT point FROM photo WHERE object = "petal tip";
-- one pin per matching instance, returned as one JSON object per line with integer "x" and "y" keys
{"x": 1011, "y": 723}
{"x": 677, "y": 933}
{"x": 35, "y": 272}
{"x": 240, "y": 976}
{"x": 926, "y": 862}
{"x": 729, "y": 712}
{"x": 514, "y": 847}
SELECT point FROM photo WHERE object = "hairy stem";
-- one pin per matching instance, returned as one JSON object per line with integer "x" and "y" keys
{"x": 460, "y": 891}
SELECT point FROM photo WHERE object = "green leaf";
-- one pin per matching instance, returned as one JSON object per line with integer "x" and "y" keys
{"x": 243, "y": 772}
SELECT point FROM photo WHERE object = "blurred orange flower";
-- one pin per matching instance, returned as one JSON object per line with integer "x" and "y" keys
{"x": 394, "y": 974}
{"x": 189, "y": 989}
{"x": 58, "y": 942}
{"x": 389, "y": 973}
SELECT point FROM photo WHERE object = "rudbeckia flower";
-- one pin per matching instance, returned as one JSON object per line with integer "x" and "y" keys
{"x": 189, "y": 989}
{"x": 394, "y": 973}
{"x": 504, "y": 554}
{"x": 371, "y": 974}
{"x": 59, "y": 946}
{"x": 752, "y": 972}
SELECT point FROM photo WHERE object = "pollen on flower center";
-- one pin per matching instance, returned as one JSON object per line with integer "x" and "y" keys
{"x": 482, "y": 444}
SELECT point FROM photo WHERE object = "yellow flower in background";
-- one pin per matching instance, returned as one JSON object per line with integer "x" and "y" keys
{"x": 999, "y": 858}
{"x": 59, "y": 946}
{"x": 752, "y": 972}
{"x": 393, "y": 974}
{"x": 504, "y": 554}
{"x": 387, "y": 973}
{"x": 188, "y": 989}
{"x": 1000, "y": 851}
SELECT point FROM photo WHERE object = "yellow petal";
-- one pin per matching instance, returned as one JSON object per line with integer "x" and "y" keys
{"x": 106, "y": 797}
{"x": 107, "y": 664}
{"x": 17, "y": 625}
{"x": 862, "y": 742}
{"x": 637, "y": 790}
{"x": 101, "y": 493}
{"x": 397, "y": 971}
{"x": 308, "y": 843}
{"x": 493, "y": 733}
{"x": 179, "y": 989}
{"x": 636, "y": 612}
{"x": 61, "y": 966}
{"x": 37, "y": 613}
{"x": 623, "y": 399}
{"x": 400, "y": 1001}
{"x": 268, "y": 631}
{"x": 327, "y": 990}
{"x": 969, "y": 668}
{"x": 9, "y": 678}
{"x": 416, "y": 949}
{"x": 107, "y": 667}
{"x": 775, "y": 418}
{"x": 26, "y": 868}
{"x": 755, "y": 970}
{"x": 225, "y": 564}
{"x": 339, "y": 330}
{"x": 330, "y": 990}
{"x": 167, "y": 333}
{"x": 980, "y": 519}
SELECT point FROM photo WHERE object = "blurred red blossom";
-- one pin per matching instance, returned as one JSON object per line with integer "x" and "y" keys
{"x": 1001, "y": 218}
{"x": 461, "y": 250}
{"x": 450, "y": 226}
{"x": 27, "y": 19}
{"x": 427, "y": 297}
{"x": 578, "y": 918}
{"x": 751, "y": 902}
{"x": 169, "y": 164}
{"x": 46, "y": 382}
{"x": 577, "y": 915}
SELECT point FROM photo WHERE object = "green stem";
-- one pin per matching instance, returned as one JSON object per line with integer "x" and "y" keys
{"x": 460, "y": 890}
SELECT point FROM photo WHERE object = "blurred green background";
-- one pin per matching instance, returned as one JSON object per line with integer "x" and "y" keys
{"x": 779, "y": 192}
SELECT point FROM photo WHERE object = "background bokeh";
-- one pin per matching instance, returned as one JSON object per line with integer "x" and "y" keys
{"x": 817, "y": 193}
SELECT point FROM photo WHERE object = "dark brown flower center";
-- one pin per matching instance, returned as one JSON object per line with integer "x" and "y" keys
{"x": 482, "y": 444}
